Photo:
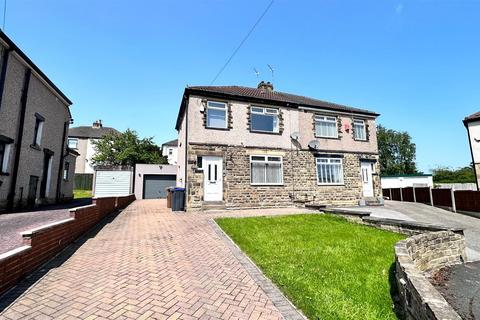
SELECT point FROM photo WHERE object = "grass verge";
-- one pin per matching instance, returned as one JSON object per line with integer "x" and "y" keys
{"x": 328, "y": 267}
{"x": 80, "y": 194}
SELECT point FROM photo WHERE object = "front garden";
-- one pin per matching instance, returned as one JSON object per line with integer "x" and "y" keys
{"x": 327, "y": 266}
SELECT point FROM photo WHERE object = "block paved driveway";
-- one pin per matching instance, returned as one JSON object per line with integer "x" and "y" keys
{"x": 149, "y": 263}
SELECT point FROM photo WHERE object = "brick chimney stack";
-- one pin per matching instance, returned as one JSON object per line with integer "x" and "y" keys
{"x": 97, "y": 124}
{"x": 266, "y": 86}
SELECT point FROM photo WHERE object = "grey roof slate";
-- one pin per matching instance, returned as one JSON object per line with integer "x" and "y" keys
{"x": 89, "y": 132}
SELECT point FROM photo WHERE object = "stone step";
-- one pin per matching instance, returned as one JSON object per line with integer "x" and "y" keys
{"x": 213, "y": 205}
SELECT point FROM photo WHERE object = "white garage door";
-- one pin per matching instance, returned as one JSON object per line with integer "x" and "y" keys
{"x": 113, "y": 183}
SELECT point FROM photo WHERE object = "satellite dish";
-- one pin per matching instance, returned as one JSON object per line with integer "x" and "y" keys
{"x": 295, "y": 135}
{"x": 314, "y": 145}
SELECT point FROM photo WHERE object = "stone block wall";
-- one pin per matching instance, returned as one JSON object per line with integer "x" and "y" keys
{"x": 43, "y": 243}
{"x": 416, "y": 258}
{"x": 299, "y": 177}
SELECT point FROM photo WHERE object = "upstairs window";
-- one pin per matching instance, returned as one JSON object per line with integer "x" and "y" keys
{"x": 326, "y": 127}
{"x": 216, "y": 115}
{"x": 264, "y": 119}
{"x": 329, "y": 171}
{"x": 266, "y": 170}
{"x": 5, "y": 146}
{"x": 72, "y": 143}
{"x": 170, "y": 151}
{"x": 359, "y": 129}
{"x": 37, "y": 135}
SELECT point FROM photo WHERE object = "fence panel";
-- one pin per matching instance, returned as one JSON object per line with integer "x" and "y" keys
{"x": 396, "y": 194}
{"x": 83, "y": 181}
{"x": 422, "y": 195}
{"x": 467, "y": 200}
{"x": 386, "y": 193}
{"x": 442, "y": 197}
{"x": 407, "y": 194}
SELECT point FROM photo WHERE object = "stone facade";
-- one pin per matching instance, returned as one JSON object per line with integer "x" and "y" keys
{"x": 299, "y": 178}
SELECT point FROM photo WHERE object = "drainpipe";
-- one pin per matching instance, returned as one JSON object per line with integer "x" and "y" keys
{"x": 18, "y": 143}
{"x": 3, "y": 74}
{"x": 471, "y": 153}
{"x": 186, "y": 157}
{"x": 60, "y": 166}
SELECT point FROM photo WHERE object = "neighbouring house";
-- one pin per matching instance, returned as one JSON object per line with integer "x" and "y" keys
{"x": 472, "y": 124}
{"x": 257, "y": 147}
{"x": 170, "y": 150}
{"x": 406, "y": 180}
{"x": 81, "y": 140}
{"x": 36, "y": 165}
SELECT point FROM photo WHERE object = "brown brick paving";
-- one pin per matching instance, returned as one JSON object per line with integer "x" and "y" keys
{"x": 149, "y": 263}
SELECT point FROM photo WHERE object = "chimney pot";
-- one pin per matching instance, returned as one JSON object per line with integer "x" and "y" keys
{"x": 97, "y": 124}
{"x": 266, "y": 86}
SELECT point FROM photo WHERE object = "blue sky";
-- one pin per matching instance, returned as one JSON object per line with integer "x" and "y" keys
{"x": 127, "y": 62}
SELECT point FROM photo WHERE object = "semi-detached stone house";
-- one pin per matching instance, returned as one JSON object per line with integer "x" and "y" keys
{"x": 256, "y": 147}
{"x": 35, "y": 163}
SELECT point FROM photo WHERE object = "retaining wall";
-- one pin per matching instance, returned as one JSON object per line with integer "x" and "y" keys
{"x": 43, "y": 243}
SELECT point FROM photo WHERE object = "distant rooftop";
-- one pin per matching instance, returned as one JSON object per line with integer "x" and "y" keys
{"x": 472, "y": 117}
{"x": 173, "y": 143}
{"x": 96, "y": 131}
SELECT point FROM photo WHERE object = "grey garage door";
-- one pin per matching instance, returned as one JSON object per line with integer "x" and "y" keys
{"x": 154, "y": 185}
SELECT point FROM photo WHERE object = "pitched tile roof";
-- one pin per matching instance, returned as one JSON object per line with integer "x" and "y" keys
{"x": 266, "y": 96}
{"x": 173, "y": 143}
{"x": 472, "y": 117}
{"x": 89, "y": 132}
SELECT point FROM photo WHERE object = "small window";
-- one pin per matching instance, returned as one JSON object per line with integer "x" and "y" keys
{"x": 264, "y": 119}
{"x": 326, "y": 127}
{"x": 170, "y": 151}
{"x": 329, "y": 171}
{"x": 266, "y": 170}
{"x": 66, "y": 170}
{"x": 200, "y": 162}
{"x": 73, "y": 143}
{"x": 216, "y": 115}
{"x": 37, "y": 135}
{"x": 4, "y": 156}
{"x": 359, "y": 129}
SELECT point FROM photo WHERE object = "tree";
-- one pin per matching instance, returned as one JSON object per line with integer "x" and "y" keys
{"x": 397, "y": 152}
{"x": 449, "y": 175}
{"x": 126, "y": 149}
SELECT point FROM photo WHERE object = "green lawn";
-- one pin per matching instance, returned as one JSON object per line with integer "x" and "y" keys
{"x": 328, "y": 267}
{"x": 79, "y": 194}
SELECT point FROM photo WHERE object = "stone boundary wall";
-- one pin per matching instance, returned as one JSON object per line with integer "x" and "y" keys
{"x": 418, "y": 257}
{"x": 429, "y": 248}
{"x": 43, "y": 243}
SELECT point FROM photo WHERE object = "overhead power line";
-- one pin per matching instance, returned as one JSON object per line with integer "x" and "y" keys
{"x": 242, "y": 42}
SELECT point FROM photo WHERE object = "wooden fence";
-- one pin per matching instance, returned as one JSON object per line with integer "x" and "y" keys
{"x": 83, "y": 181}
{"x": 461, "y": 200}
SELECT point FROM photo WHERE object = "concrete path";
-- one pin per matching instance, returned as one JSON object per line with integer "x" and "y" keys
{"x": 149, "y": 263}
{"x": 12, "y": 224}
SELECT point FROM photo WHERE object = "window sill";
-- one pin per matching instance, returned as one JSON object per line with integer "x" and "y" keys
{"x": 265, "y": 132}
{"x": 221, "y": 129}
{"x": 331, "y": 184}
{"x": 36, "y": 147}
{"x": 266, "y": 185}
{"x": 329, "y": 138}
{"x": 361, "y": 140}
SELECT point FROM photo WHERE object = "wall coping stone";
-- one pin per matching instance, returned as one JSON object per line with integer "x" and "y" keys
{"x": 14, "y": 252}
{"x": 82, "y": 207}
{"x": 45, "y": 227}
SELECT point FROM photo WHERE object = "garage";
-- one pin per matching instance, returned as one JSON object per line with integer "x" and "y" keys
{"x": 151, "y": 180}
{"x": 154, "y": 185}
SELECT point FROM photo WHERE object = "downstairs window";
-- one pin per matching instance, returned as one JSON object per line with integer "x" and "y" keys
{"x": 266, "y": 170}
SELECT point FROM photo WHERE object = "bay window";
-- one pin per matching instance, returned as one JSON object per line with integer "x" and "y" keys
{"x": 359, "y": 129}
{"x": 264, "y": 119}
{"x": 216, "y": 115}
{"x": 329, "y": 171}
{"x": 326, "y": 127}
{"x": 266, "y": 170}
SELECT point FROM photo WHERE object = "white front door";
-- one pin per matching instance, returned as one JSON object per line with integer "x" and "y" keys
{"x": 213, "y": 178}
{"x": 367, "y": 178}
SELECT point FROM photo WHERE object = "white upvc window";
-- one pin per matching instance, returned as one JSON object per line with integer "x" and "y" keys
{"x": 266, "y": 170}
{"x": 217, "y": 116}
{"x": 264, "y": 119}
{"x": 329, "y": 171}
{"x": 360, "y": 130}
{"x": 72, "y": 143}
{"x": 4, "y": 156}
{"x": 326, "y": 127}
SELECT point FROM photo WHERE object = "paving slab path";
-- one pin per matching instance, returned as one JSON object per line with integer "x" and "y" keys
{"x": 150, "y": 263}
